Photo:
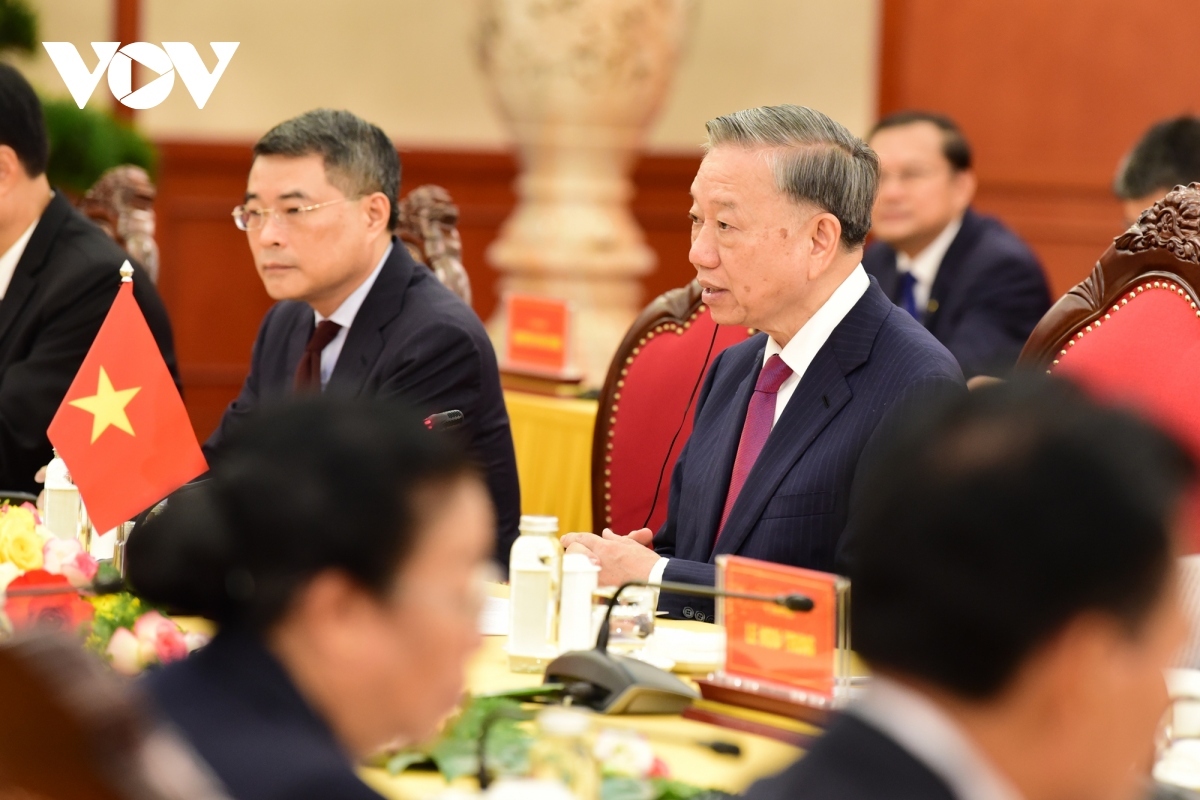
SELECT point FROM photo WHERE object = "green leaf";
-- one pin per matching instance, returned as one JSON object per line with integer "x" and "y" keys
{"x": 405, "y": 759}
{"x": 18, "y": 27}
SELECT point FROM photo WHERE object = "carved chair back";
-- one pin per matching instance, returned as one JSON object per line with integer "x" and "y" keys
{"x": 121, "y": 202}
{"x": 428, "y": 228}
{"x": 647, "y": 405}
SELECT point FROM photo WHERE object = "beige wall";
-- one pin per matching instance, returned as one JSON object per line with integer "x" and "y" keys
{"x": 409, "y": 65}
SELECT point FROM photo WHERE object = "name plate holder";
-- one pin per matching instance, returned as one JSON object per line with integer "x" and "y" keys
{"x": 537, "y": 346}
{"x": 791, "y": 663}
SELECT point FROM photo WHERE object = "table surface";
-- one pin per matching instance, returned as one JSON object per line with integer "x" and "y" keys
{"x": 673, "y": 738}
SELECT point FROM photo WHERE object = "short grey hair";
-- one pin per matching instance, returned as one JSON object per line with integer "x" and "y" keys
{"x": 818, "y": 160}
{"x": 359, "y": 157}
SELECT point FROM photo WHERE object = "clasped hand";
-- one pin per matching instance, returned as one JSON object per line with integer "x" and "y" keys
{"x": 620, "y": 558}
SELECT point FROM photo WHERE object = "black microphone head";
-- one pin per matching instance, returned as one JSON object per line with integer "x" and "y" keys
{"x": 796, "y": 602}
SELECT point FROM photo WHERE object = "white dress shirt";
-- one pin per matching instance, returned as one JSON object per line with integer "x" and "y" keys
{"x": 8, "y": 261}
{"x": 344, "y": 316}
{"x": 800, "y": 351}
{"x": 925, "y": 264}
{"x": 929, "y": 735}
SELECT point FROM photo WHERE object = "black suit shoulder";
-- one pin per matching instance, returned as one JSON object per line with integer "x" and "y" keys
{"x": 853, "y": 761}
{"x": 60, "y": 293}
{"x": 240, "y": 712}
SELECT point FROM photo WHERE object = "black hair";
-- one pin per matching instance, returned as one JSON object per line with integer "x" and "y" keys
{"x": 1167, "y": 155}
{"x": 955, "y": 147}
{"x": 356, "y": 153}
{"x": 991, "y": 521}
{"x": 314, "y": 484}
{"x": 22, "y": 126}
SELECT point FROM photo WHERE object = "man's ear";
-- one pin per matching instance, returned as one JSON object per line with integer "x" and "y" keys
{"x": 963, "y": 185}
{"x": 378, "y": 209}
{"x": 825, "y": 237}
{"x": 11, "y": 168}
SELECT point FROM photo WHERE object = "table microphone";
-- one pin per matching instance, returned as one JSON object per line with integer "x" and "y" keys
{"x": 613, "y": 684}
{"x": 445, "y": 420}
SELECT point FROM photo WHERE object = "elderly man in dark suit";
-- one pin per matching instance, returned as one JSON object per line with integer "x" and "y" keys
{"x": 966, "y": 277}
{"x": 59, "y": 275}
{"x": 780, "y": 208}
{"x": 1015, "y": 595}
{"x": 356, "y": 315}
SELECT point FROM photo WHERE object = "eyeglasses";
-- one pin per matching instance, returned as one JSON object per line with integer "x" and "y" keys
{"x": 252, "y": 219}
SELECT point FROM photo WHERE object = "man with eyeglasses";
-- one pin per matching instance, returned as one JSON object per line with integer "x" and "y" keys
{"x": 357, "y": 316}
{"x": 966, "y": 277}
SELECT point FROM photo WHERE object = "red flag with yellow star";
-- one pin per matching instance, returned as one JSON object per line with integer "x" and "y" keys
{"x": 122, "y": 429}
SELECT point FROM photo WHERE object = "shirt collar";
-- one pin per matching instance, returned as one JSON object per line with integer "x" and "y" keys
{"x": 12, "y": 256}
{"x": 802, "y": 348}
{"x": 916, "y": 723}
{"x": 924, "y": 265}
{"x": 345, "y": 313}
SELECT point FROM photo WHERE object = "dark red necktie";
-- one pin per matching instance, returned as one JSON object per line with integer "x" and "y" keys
{"x": 308, "y": 371}
{"x": 760, "y": 417}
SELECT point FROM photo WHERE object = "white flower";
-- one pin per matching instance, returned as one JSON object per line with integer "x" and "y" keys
{"x": 8, "y": 572}
{"x": 624, "y": 752}
{"x": 124, "y": 652}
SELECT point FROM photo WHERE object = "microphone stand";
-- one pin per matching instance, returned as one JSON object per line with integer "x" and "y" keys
{"x": 614, "y": 684}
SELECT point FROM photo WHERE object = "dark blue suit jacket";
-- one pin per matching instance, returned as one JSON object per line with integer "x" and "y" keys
{"x": 988, "y": 295}
{"x": 797, "y": 498}
{"x": 240, "y": 711}
{"x": 854, "y": 761}
{"x": 413, "y": 339}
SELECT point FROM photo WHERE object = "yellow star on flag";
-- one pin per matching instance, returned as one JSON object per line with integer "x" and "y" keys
{"x": 107, "y": 407}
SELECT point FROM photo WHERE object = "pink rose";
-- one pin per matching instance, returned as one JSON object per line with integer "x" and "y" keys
{"x": 80, "y": 570}
{"x": 123, "y": 652}
{"x": 159, "y": 639}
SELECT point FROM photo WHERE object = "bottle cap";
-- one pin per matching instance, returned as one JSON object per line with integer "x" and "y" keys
{"x": 532, "y": 523}
{"x": 578, "y": 562}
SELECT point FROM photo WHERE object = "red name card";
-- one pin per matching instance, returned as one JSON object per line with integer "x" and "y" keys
{"x": 806, "y": 651}
{"x": 537, "y": 333}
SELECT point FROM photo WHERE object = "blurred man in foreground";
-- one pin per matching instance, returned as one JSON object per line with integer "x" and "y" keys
{"x": 58, "y": 279}
{"x": 356, "y": 315}
{"x": 340, "y": 546}
{"x": 1167, "y": 155}
{"x": 781, "y": 205}
{"x": 964, "y": 276}
{"x": 1015, "y": 597}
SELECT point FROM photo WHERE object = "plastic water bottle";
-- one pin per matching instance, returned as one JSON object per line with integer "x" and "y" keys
{"x": 534, "y": 572}
{"x": 579, "y": 580}
{"x": 61, "y": 508}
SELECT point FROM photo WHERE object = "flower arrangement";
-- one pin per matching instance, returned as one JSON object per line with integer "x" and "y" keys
{"x": 45, "y": 575}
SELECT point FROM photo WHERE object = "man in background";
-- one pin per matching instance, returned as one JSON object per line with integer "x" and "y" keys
{"x": 1167, "y": 155}
{"x": 1015, "y": 595}
{"x": 781, "y": 206}
{"x": 356, "y": 315}
{"x": 59, "y": 275}
{"x": 966, "y": 277}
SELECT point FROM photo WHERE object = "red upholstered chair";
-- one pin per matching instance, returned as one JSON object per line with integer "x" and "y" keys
{"x": 1130, "y": 332}
{"x": 646, "y": 407}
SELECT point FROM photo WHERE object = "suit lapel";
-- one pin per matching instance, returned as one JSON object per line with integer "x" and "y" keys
{"x": 33, "y": 260}
{"x": 364, "y": 340}
{"x": 952, "y": 264}
{"x": 818, "y": 398}
{"x": 718, "y": 451}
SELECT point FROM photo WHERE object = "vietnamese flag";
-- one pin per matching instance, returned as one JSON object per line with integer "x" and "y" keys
{"x": 122, "y": 429}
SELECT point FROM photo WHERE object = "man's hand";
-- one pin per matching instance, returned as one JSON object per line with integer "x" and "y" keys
{"x": 620, "y": 558}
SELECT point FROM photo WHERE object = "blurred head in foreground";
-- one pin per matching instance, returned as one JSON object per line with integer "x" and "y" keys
{"x": 347, "y": 541}
{"x": 1016, "y": 568}
{"x": 71, "y": 728}
{"x": 1167, "y": 155}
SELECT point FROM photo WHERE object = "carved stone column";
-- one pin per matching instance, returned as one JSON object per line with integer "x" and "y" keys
{"x": 578, "y": 82}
